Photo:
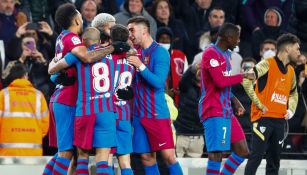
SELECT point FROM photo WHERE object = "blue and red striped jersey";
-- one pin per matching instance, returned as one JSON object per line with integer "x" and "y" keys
{"x": 149, "y": 84}
{"x": 124, "y": 74}
{"x": 65, "y": 42}
{"x": 95, "y": 84}
{"x": 216, "y": 82}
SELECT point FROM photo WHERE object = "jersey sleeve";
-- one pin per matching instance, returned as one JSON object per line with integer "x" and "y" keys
{"x": 71, "y": 41}
{"x": 70, "y": 59}
{"x": 157, "y": 77}
{"x": 214, "y": 65}
{"x": 293, "y": 98}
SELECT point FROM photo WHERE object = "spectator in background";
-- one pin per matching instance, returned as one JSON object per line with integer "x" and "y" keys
{"x": 38, "y": 10}
{"x": 178, "y": 62}
{"x": 267, "y": 49}
{"x": 216, "y": 18}
{"x": 10, "y": 19}
{"x": 238, "y": 91}
{"x": 136, "y": 8}
{"x": 195, "y": 18}
{"x": 273, "y": 19}
{"x": 24, "y": 116}
{"x": 162, "y": 12}
{"x": 189, "y": 130}
{"x": 103, "y": 6}
{"x": 43, "y": 46}
{"x": 88, "y": 12}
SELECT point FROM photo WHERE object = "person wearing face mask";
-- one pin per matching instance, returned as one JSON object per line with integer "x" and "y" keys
{"x": 179, "y": 63}
{"x": 267, "y": 49}
{"x": 272, "y": 29}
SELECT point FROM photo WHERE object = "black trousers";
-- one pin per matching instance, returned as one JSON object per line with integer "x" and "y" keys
{"x": 267, "y": 135}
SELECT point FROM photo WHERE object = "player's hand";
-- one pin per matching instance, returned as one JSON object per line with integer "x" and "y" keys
{"x": 135, "y": 61}
{"x": 249, "y": 74}
{"x": 64, "y": 79}
{"x": 240, "y": 111}
{"x": 125, "y": 93}
{"x": 264, "y": 109}
{"x": 120, "y": 47}
{"x": 289, "y": 114}
{"x": 45, "y": 28}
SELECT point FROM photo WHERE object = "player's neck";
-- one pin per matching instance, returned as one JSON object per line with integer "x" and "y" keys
{"x": 283, "y": 57}
{"x": 221, "y": 45}
{"x": 147, "y": 42}
{"x": 73, "y": 29}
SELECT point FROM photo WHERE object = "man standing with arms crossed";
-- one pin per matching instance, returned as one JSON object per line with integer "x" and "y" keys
{"x": 274, "y": 101}
{"x": 151, "y": 118}
{"x": 222, "y": 129}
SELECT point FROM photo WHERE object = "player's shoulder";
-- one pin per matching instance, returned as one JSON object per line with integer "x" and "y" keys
{"x": 72, "y": 38}
{"x": 159, "y": 51}
{"x": 210, "y": 52}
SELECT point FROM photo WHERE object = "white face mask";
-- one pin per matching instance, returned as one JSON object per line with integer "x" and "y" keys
{"x": 268, "y": 54}
{"x": 166, "y": 46}
{"x": 236, "y": 49}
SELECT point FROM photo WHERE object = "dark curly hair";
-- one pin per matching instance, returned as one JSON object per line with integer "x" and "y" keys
{"x": 65, "y": 14}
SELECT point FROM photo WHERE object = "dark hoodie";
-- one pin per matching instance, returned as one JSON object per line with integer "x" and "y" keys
{"x": 267, "y": 32}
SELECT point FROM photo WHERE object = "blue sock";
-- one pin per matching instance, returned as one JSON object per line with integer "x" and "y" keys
{"x": 152, "y": 170}
{"x": 82, "y": 167}
{"x": 61, "y": 166}
{"x": 49, "y": 166}
{"x": 231, "y": 164}
{"x": 102, "y": 168}
{"x": 175, "y": 169}
{"x": 127, "y": 171}
{"x": 213, "y": 168}
{"x": 111, "y": 170}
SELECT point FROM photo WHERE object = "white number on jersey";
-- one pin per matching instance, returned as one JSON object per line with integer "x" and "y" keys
{"x": 101, "y": 81}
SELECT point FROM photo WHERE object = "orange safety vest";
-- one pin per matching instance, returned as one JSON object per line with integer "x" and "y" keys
{"x": 275, "y": 94}
{"x": 24, "y": 119}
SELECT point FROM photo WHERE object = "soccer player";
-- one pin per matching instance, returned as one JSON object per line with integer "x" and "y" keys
{"x": 151, "y": 118}
{"x": 222, "y": 129}
{"x": 274, "y": 101}
{"x": 63, "y": 100}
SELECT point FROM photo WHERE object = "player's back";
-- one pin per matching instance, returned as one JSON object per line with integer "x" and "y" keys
{"x": 95, "y": 87}
{"x": 124, "y": 73}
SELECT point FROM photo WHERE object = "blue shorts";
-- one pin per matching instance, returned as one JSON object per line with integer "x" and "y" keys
{"x": 124, "y": 137}
{"x": 217, "y": 133}
{"x": 64, "y": 122}
{"x": 140, "y": 139}
{"x": 104, "y": 130}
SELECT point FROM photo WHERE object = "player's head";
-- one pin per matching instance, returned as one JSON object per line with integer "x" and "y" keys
{"x": 103, "y": 22}
{"x": 119, "y": 33}
{"x": 139, "y": 28}
{"x": 289, "y": 44}
{"x": 230, "y": 35}
{"x": 90, "y": 36}
{"x": 68, "y": 16}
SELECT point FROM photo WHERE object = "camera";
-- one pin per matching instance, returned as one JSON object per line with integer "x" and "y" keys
{"x": 33, "y": 26}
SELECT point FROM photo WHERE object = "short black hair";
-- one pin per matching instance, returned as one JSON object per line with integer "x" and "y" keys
{"x": 216, "y": 8}
{"x": 19, "y": 70}
{"x": 228, "y": 29}
{"x": 268, "y": 41}
{"x": 140, "y": 20}
{"x": 65, "y": 14}
{"x": 119, "y": 32}
{"x": 248, "y": 59}
{"x": 286, "y": 39}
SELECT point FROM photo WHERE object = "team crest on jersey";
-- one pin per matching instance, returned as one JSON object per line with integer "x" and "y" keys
{"x": 262, "y": 129}
{"x": 179, "y": 65}
{"x": 146, "y": 60}
{"x": 75, "y": 40}
{"x": 214, "y": 62}
{"x": 279, "y": 98}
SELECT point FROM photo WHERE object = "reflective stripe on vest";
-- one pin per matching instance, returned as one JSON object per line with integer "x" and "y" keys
{"x": 20, "y": 145}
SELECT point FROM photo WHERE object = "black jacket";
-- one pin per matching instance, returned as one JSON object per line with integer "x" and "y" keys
{"x": 188, "y": 122}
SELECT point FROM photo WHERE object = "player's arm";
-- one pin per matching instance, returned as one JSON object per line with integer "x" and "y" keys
{"x": 68, "y": 60}
{"x": 158, "y": 76}
{"x": 260, "y": 70}
{"x": 293, "y": 98}
{"x": 91, "y": 56}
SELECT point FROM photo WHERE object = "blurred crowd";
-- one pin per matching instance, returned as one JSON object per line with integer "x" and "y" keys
{"x": 185, "y": 28}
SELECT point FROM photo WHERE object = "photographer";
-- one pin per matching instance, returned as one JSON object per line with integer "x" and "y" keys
{"x": 36, "y": 64}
